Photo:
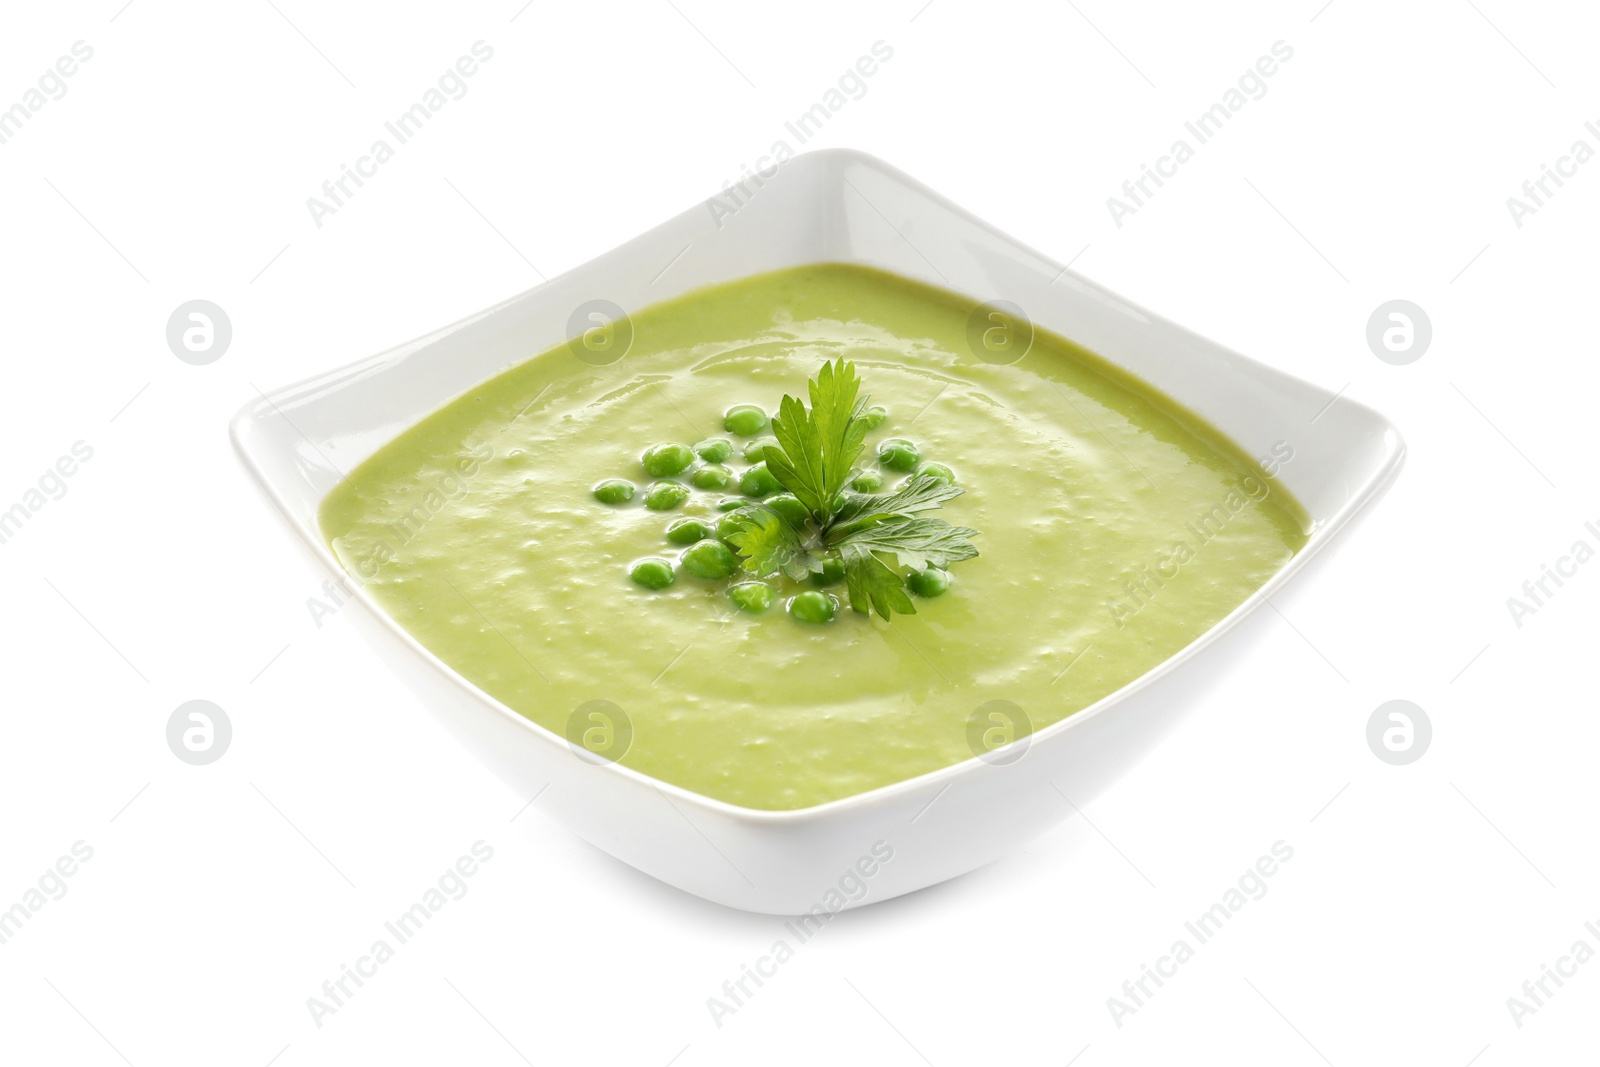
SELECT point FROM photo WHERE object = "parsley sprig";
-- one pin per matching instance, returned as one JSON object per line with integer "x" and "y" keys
{"x": 814, "y": 460}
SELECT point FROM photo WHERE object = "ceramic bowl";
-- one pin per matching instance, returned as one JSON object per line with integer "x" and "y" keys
{"x": 829, "y": 206}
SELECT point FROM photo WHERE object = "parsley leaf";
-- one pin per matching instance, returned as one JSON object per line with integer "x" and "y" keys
{"x": 915, "y": 542}
{"x": 919, "y": 493}
{"x": 769, "y": 544}
{"x": 872, "y": 584}
{"x": 817, "y": 449}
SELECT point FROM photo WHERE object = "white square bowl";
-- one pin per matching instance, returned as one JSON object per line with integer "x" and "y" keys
{"x": 830, "y": 206}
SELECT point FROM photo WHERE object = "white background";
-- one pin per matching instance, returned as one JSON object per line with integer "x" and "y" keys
{"x": 219, "y": 898}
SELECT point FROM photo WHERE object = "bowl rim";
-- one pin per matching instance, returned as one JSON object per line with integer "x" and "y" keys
{"x": 1322, "y": 532}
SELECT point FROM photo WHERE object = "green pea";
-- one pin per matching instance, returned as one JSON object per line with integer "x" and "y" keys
{"x": 937, "y": 470}
{"x": 714, "y": 449}
{"x": 746, "y": 420}
{"x": 929, "y": 583}
{"x": 867, "y": 482}
{"x": 898, "y": 454}
{"x": 709, "y": 559}
{"x": 664, "y": 496}
{"x": 652, "y": 573}
{"x": 751, "y": 597}
{"x": 731, "y": 503}
{"x": 832, "y": 572}
{"x": 788, "y": 505}
{"x": 874, "y": 416}
{"x": 759, "y": 482}
{"x": 813, "y": 606}
{"x": 727, "y": 527}
{"x": 687, "y": 531}
{"x": 614, "y": 491}
{"x": 713, "y": 476}
{"x": 756, "y": 451}
{"x": 664, "y": 461}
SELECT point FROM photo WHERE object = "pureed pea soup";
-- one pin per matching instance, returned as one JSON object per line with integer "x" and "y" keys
{"x": 518, "y": 534}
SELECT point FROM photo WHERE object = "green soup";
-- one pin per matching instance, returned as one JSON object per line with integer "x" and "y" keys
{"x": 1115, "y": 527}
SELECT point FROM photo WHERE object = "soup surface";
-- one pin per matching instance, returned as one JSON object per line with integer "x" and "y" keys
{"x": 1114, "y": 528}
